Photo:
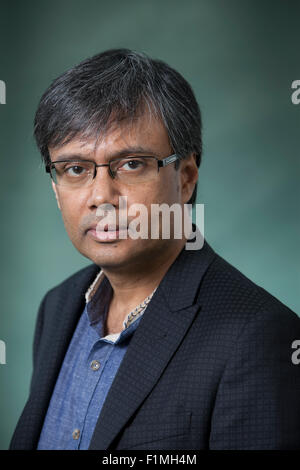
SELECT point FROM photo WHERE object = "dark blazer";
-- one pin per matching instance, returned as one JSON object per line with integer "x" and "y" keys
{"x": 209, "y": 366}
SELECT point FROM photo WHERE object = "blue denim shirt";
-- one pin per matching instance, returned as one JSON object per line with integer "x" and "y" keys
{"x": 86, "y": 375}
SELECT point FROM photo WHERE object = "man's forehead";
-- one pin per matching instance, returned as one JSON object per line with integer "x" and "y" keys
{"x": 141, "y": 134}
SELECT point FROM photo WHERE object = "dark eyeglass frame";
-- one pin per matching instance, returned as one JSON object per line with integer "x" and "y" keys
{"x": 160, "y": 163}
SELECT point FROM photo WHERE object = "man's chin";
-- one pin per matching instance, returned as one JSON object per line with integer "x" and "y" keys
{"x": 110, "y": 255}
{"x": 128, "y": 254}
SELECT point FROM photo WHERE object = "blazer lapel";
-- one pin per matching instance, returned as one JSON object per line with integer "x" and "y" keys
{"x": 163, "y": 326}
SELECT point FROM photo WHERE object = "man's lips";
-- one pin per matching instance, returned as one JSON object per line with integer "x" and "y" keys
{"x": 106, "y": 232}
{"x": 106, "y": 227}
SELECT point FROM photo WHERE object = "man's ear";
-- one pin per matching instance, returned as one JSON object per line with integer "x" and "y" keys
{"x": 189, "y": 176}
{"x": 56, "y": 194}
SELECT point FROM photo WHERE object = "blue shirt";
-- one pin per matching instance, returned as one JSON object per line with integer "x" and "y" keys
{"x": 88, "y": 370}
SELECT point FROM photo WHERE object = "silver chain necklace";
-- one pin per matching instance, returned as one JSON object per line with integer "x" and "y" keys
{"x": 138, "y": 309}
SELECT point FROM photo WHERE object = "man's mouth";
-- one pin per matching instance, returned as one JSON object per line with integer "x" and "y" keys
{"x": 107, "y": 232}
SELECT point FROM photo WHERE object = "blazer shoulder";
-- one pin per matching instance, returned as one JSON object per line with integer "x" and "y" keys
{"x": 228, "y": 285}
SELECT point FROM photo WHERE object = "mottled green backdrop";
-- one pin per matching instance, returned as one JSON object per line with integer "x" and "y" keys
{"x": 240, "y": 57}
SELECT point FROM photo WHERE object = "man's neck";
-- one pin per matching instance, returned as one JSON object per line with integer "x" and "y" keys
{"x": 131, "y": 287}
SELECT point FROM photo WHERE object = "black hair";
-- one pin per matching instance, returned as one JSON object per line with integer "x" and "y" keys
{"x": 113, "y": 86}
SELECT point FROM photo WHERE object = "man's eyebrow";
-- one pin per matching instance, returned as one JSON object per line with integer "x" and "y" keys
{"x": 68, "y": 156}
{"x": 121, "y": 153}
{"x": 134, "y": 150}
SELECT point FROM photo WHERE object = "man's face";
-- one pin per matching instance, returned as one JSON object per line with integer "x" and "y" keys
{"x": 79, "y": 206}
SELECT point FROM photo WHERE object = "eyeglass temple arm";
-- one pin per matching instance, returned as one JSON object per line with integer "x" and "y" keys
{"x": 166, "y": 161}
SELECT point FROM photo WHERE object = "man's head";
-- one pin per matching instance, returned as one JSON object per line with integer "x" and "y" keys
{"x": 103, "y": 108}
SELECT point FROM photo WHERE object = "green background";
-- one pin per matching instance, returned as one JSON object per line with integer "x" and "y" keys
{"x": 240, "y": 58}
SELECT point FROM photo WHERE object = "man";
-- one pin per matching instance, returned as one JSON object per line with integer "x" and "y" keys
{"x": 153, "y": 346}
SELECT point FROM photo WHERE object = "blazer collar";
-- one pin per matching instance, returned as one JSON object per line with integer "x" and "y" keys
{"x": 181, "y": 283}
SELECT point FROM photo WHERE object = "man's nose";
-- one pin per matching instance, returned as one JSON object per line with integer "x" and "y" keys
{"x": 103, "y": 188}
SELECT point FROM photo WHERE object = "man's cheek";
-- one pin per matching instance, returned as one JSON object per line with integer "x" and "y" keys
{"x": 71, "y": 224}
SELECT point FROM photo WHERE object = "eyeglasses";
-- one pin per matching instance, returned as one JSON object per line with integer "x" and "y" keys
{"x": 127, "y": 170}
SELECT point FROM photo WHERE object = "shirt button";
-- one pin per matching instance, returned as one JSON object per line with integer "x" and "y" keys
{"x": 95, "y": 365}
{"x": 76, "y": 434}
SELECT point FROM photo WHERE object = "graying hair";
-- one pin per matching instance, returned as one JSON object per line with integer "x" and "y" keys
{"x": 114, "y": 86}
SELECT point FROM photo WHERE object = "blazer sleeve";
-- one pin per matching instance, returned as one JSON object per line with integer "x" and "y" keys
{"x": 16, "y": 440}
{"x": 258, "y": 400}
{"x": 38, "y": 334}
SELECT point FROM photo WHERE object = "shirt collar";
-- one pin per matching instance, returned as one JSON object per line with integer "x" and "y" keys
{"x": 98, "y": 310}
{"x": 93, "y": 287}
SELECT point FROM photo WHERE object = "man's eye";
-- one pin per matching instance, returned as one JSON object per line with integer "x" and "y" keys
{"x": 75, "y": 170}
{"x": 131, "y": 165}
